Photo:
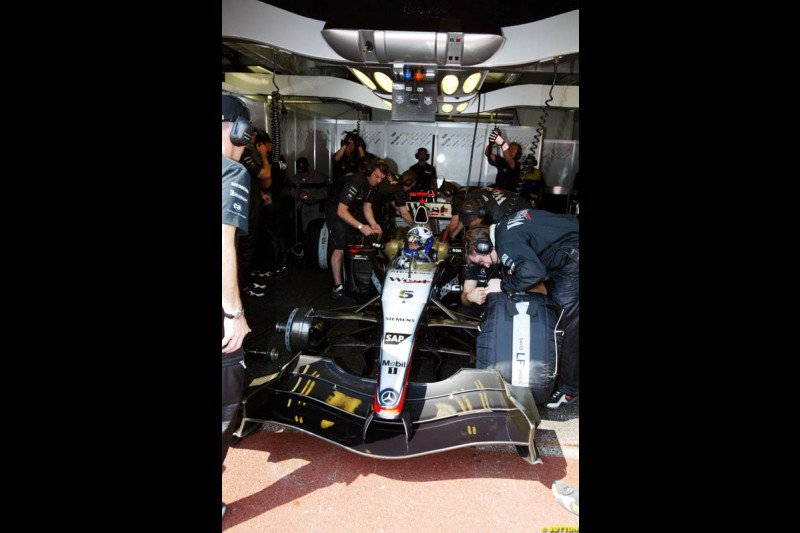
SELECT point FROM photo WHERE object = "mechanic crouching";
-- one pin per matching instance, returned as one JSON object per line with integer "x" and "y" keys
{"x": 534, "y": 246}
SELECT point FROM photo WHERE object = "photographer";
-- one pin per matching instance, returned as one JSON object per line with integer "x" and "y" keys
{"x": 508, "y": 165}
{"x": 346, "y": 158}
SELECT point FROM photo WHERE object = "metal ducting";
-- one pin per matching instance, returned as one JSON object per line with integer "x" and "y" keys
{"x": 388, "y": 46}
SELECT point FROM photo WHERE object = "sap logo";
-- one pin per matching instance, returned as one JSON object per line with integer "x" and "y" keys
{"x": 406, "y": 280}
{"x": 399, "y": 319}
{"x": 398, "y": 364}
{"x": 394, "y": 338}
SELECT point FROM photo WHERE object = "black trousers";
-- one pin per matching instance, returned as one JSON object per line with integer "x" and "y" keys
{"x": 232, "y": 389}
{"x": 565, "y": 296}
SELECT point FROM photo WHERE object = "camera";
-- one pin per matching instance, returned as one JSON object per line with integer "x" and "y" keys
{"x": 262, "y": 137}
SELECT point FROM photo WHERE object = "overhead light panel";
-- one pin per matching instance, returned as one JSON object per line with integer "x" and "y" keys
{"x": 447, "y": 108}
{"x": 363, "y": 78}
{"x": 471, "y": 82}
{"x": 384, "y": 81}
{"x": 449, "y": 84}
{"x": 462, "y": 107}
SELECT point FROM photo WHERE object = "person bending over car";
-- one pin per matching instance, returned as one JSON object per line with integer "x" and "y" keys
{"x": 534, "y": 245}
{"x": 348, "y": 194}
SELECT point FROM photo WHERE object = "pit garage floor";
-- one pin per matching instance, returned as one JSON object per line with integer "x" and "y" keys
{"x": 280, "y": 479}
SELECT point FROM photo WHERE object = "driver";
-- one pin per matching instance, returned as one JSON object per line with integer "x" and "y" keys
{"x": 419, "y": 243}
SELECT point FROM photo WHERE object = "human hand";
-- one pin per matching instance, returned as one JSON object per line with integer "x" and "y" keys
{"x": 235, "y": 331}
{"x": 493, "y": 285}
{"x": 376, "y": 228}
{"x": 493, "y": 136}
{"x": 477, "y": 296}
{"x": 304, "y": 195}
{"x": 499, "y": 140}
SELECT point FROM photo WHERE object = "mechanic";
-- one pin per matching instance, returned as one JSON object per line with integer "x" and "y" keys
{"x": 408, "y": 180}
{"x": 237, "y": 132}
{"x": 346, "y": 158}
{"x": 536, "y": 245}
{"x": 486, "y": 205}
{"x": 508, "y": 165}
{"x": 474, "y": 291}
{"x": 424, "y": 172}
{"x": 347, "y": 195}
{"x": 257, "y": 163}
{"x": 309, "y": 189}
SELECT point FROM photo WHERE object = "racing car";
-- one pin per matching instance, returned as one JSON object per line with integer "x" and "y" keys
{"x": 379, "y": 410}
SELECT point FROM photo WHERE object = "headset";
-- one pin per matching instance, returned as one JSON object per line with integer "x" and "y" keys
{"x": 482, "y": 246}
{"x": 467, "y": 208}
{"x": 417, "y": 156}
{"x": 242, "y": 131}
{"x": 370, "y": 166}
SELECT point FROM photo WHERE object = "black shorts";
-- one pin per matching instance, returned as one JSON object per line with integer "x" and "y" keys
{"x": 341, "y": 233}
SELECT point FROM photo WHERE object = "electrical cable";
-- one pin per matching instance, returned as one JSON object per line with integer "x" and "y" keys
{"x": 543, "y": 120}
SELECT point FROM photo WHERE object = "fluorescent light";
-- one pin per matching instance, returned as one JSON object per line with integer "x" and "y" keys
{"x": 449, "y": 84}
{"x": 447, "y": 108}
{"x": 471, "y": 82}
{"x": 384, "y": 81}
{"x": 364, "y": 79}
{"x": 461, "y": 107}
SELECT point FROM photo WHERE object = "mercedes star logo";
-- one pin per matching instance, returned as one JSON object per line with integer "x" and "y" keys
{"x": 389, "y": 397}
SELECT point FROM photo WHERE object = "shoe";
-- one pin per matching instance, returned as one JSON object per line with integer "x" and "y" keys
{"x": 338, "y": 292}
{"x": 251, "y": 290}
{"x": 567, "y": 496}
{"x": 272, "y": 274}
{"x": 559, "y": 398}
{"x": 224, "y": 508}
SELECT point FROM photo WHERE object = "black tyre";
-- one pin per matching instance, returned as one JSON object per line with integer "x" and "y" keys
{"x": 317, "y": 244}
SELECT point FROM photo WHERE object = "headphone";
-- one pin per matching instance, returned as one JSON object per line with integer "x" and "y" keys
{"x": 466, "y": 210}
{"x": 482, "y": 246}
{"x": 417, "y": 156}
{"x": 242, "y": 131}
{"x": 370, "y": 166}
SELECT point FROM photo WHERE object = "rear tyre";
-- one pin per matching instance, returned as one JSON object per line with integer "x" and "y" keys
{"x": 317, "y": 244}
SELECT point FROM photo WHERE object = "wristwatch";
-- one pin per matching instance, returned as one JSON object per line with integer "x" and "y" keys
{"x": 360, "y": 226}
{"x": 237, "y": 314}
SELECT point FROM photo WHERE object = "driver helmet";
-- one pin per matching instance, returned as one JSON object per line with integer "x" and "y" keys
{"x": 418, "y": 239}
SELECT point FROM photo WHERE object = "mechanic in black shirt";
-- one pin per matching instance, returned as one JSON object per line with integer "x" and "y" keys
{"x": 348, "y": 195}
{"x": 425, "y": 173}
{"x": 486, "y": 205}
{"x": 507, "y": 165}
{"x": 534, "y": 245}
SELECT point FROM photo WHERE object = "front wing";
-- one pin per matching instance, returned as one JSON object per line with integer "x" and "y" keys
{"x": 472, "y": 407}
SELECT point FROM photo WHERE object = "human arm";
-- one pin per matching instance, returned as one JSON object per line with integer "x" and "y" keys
{"x": 265, "y": 174}
{"x": 343, "y": 213}
{"x": 405, "y": 214}
{"x": 235, "y": 328}
{"x": 454, "y": 227}
{"x": 471, "y": 294}
{"x": 370, "y": 218}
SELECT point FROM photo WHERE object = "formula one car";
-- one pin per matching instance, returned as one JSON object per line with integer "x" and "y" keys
{"x": 378, "y": 410}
